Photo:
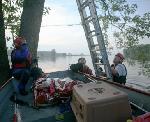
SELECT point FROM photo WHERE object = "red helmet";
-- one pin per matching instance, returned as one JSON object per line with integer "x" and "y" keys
{"x": 120, "y": 56}
{"x": 19, "y": 40}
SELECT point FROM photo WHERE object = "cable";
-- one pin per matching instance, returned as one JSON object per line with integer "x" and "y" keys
{"x": 62, "y": 25}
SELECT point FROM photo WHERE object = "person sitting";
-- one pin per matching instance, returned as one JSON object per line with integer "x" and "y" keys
{"x": 85, "y": 69}
{"x": 81, "y": 67}
{"x": 119, "y": 71}
{"x": 21, "y": 61}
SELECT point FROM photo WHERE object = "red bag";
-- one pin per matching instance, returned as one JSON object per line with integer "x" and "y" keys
{"x": 41, "y": 98}
{"x": 52, "y": 88}
{"x": 143, "y": 118}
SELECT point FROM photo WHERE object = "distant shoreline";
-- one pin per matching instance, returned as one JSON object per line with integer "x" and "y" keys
{"x": 50, "y": 53}
{"x": 77, "y": 55}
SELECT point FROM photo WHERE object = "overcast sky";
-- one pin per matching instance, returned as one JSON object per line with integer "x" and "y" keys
{"x": 70, "y": 39}
{"x": 62, "y": 38}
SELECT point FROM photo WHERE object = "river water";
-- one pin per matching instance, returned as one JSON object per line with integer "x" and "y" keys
{"x": 135, "y": 77}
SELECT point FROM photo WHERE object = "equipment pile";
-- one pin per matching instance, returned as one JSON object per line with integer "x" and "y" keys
{"x": 50, "y": 91}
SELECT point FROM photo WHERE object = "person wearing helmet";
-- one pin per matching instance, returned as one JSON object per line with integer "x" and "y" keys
{"x": 119, "y": 71}
{"x": 21, "y": 61}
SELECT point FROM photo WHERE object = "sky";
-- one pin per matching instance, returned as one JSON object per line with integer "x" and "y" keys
{"x": 70, "y": 39}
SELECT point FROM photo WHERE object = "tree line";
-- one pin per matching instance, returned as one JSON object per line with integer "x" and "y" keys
{"x": 139, "y": 52}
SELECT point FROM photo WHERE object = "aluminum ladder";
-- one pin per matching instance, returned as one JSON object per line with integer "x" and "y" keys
{"x": 94, "y": 37}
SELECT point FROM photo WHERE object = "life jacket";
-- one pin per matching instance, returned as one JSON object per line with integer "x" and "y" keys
{"x": 120, "y": 79}
{"x": 86, "y": 70}
{"x": 79, "y": 67}
{"x": 21, "y": 58}
{"x": 76, "y": 67}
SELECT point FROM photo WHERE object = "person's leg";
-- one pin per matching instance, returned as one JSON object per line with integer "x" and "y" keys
{"x": 25, "y": 74}
{"x": 16, "y": 73}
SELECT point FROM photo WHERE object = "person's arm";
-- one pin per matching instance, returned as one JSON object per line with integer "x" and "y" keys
{"x": 118, "y": 70}
{"x": 28, "y": 59}
{"x": 114, "y": 71}
{"x": 26, "y": 55}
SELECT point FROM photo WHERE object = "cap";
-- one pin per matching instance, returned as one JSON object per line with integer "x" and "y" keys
{"x": 120, "y": 56}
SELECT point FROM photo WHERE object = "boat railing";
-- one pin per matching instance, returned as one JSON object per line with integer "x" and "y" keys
{"x": 5, "y": 83}
{"x": 117, "y": 84}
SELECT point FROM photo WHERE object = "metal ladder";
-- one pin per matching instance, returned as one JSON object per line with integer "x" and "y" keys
{"x": 94, "y": 37}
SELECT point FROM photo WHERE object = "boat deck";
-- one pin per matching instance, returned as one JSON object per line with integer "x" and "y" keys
{"x": 30, "y": 114}
{"x": 52, "y": 113}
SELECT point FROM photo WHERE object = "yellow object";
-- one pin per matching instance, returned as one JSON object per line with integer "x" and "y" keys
{"x": 59, "y": 117}
{"x": 129, "y": 120}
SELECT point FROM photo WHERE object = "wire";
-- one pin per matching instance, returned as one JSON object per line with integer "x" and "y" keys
{"x": 62, "y": 25}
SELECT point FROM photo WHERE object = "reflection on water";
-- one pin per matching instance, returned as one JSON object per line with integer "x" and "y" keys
{"x": 51, "y": 64}
{"x": 143, "y": 65}
{"x": 131, "y": 62}
{"x": 139, "y": 55}
{"x": 138, "y": 72}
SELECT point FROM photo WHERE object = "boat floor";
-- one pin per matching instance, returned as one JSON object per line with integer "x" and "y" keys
{"x": 49, "y": 114}
{"x": 30, "y": 114}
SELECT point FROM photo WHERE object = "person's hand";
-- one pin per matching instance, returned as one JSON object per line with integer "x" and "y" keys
{"x": 112, "y": 66}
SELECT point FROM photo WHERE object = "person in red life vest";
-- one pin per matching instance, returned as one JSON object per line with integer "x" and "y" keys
{"x": 21, "y": 61}
{"x": 119, "y": 71}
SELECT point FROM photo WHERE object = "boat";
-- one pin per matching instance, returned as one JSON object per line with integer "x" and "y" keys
{"x": 24, "y": 110}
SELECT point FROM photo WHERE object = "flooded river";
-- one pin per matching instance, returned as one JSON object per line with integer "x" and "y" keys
{"x": 138, "y": 73}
